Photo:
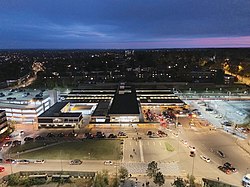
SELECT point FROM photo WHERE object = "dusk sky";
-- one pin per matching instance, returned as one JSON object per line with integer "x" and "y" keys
{"x": 103, "y": 24}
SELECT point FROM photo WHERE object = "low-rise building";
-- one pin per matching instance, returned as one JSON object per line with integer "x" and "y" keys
{"x": 59, "y": 116}
{"x": 23, "y": 107}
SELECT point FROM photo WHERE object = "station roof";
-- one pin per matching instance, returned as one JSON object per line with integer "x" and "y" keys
{"x": 87, "y": 100}
{"x": 125, "y": 103}
{"x": 152, "y": 91}
{"x": 162, "y": 101}
{"x": 102, "y": 108}
{"x": 55, "y": 111}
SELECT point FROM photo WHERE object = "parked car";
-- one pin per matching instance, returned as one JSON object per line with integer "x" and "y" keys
{"x": 246, "y": 180}
{"x": 192, "y": 153}
{"x": 153, "y": 135}
{"x": 10, "y": 161}
{"x": 16, "y": 143}
{"x": 184, "y": 142}
{"x": 61, "y": 135}
{"x": 2, "y": 168}
{"x": 122, "y": 135}
{"x": 28, "y": 139}
{"x": 7, "y": 138}
{"x": 7, "y": 144}
{"x": 205, "y": 158}
{"x": 39, "y": 138}
{"x": 112, "y": 136}
{"x": 21, "y": 132}
{"x": 149, "y": 133}
{"x": 161, "y": 133}
{"x": 72, "y": 134}
{"x": 23, "y": 161}
{"x": 50, "y": 135}
{"x": 39, "y": 161}
{"x": 224, "y": 169}
{"x": 75, "y": 162}
{"x": 192, "y": 148}
{"x": 108, "y": 162}
{"x": 230, "y": 167}
{"x": 88, "y": 135}
{"x": 221, "y": 154}
{"x": 100, "y": 135}
{"x": 227, "y": 123}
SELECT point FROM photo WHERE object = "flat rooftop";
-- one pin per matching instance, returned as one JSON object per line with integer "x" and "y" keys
{"x": 125, "y": 103}
{"x": 22, "y": 98}
{"x": 165, "y": 101}
{"x": 102, "y": 108}
{"x": 55, "y": 111}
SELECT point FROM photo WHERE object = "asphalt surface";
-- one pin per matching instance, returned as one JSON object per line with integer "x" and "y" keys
{"x": 144, "y": 150}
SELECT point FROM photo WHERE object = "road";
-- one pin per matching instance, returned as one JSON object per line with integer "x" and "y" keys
{"x": 176, "y": 163}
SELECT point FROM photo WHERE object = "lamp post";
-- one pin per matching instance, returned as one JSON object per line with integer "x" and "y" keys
{"x": 11, "y": 169}
{"x": 89, "y": 155}
{"x": 176, "y": 122}
{"x": 193, "y": 166}
{"x": 61, "y": 161}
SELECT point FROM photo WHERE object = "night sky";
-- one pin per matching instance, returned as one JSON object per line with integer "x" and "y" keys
{"x": 103, "y": 24}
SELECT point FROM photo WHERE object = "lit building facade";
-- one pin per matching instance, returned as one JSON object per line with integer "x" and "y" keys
{"x": 24, "y": 108}
{"x": 3, "y": 122}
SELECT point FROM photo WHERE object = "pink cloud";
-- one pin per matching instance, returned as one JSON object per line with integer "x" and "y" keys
{"x": 206, "y": 42}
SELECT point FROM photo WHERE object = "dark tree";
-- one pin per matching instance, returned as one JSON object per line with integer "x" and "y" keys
{"x": 179, "y": 182}
{"x": 152, "y": 169}
{"x": 159, "y": 179}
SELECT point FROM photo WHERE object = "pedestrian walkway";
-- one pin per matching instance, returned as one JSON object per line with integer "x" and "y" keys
{"x": 170, "y": 169}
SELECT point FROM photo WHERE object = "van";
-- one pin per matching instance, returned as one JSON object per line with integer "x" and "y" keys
{"x": 246, "y": 180}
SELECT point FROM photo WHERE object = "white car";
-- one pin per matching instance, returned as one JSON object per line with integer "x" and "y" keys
{"x": 39, "y": 161}
{"x": 184, "y": 142}
{"x": 192, "y": 148}
{"x": 205, "y": 158}
{"x": 23, "y": 161}
{"x": 175, "y": 134}
{"x": 108, "y": 162}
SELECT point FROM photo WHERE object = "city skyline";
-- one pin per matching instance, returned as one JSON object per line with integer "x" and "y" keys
{"x": 124, "y": 24}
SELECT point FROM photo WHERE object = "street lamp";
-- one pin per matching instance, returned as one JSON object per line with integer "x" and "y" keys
{"x": 61, "y": 161}
{"x": 89, "y": 155}
{"x": 176, "y": 121}
{"x": 193, "y": 166}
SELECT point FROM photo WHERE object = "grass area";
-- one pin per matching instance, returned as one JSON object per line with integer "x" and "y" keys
{"x": 87, "y": 149}
{"x": 169, "y": 147}
{"x": 28, "y": 146}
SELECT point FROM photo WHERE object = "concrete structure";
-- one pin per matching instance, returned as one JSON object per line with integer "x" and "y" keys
{"x": 3, "y": 122}
{"x": 116, "y": 104}
{"x": 60, "y": 115}
{"x": 23, "y": 107}
{"x": 124, "y": 106}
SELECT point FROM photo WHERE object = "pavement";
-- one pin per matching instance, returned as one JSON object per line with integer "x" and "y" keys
{"x": 171, "y": 164}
